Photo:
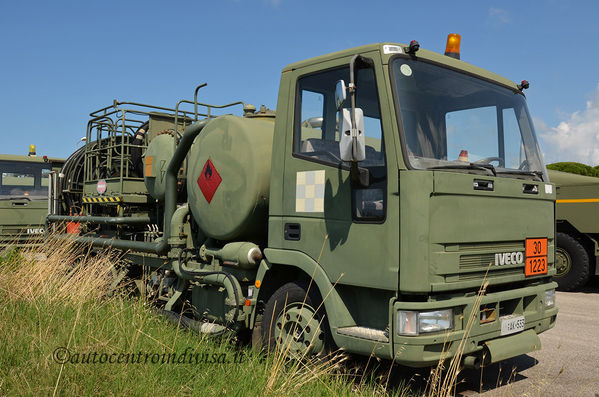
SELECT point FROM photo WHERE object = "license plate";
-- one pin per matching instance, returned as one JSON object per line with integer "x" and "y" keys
{"x": 511, "y": 324}
{"x": 536, "y": 257}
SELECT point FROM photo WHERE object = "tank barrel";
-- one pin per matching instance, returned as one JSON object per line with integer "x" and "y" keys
{"x": 102, "y": 220}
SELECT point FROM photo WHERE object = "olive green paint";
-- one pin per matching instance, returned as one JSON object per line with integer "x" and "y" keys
{"x": 22, "y": 217}
{"x": 430, "y": 251}
{"x": 582, "y": 214}
{"x": 577, "y": 210}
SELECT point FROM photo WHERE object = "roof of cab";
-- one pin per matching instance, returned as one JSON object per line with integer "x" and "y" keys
{"x": 30, "y": 159}
{"x": 421, "y": 54}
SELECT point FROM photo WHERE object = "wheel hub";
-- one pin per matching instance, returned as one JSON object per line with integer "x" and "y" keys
{"x": 298, "y": 331}
{"x": 563, "y": 262}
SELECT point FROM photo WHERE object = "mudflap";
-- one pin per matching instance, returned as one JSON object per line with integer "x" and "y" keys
{"x": 512, "y": 346}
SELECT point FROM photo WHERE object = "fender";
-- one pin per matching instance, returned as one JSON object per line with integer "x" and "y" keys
{"x": 337, "y": 313}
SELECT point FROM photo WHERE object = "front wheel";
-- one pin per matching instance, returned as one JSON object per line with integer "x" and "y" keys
{"x": 571, "y": 263}
{"x": 294, "y": 321}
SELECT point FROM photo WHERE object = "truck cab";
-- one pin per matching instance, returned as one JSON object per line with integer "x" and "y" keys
{"x": 456, "y": 196}
{"x": 24, "y": 184}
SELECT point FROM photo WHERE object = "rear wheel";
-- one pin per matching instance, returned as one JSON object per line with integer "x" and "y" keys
{"x": 294, "y": 321}
{"x": 571, "y": 263}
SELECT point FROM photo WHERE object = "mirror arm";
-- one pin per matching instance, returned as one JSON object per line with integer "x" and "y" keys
{"x": 352, "y": 92}
{"x": 359, "y": 176}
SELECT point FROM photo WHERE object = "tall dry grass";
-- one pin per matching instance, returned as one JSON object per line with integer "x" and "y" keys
{"x": 286, "y": 371}
{"x": 62, "y": 291}
{"x": 58, "y": 270}
{"x": 443, "y": 378}
{"x": 61, "y": 273}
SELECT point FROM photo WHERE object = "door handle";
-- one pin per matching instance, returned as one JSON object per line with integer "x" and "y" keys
{"x": 293, "y": 231}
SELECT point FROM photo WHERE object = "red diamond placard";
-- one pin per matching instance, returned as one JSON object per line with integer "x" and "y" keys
{"x": 209, "y": 180}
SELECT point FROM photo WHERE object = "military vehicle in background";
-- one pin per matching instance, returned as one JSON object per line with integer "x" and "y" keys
{"x": 24, "y": 184}
{"x": 366, "y": 213}
{"x": 577, "y": 229}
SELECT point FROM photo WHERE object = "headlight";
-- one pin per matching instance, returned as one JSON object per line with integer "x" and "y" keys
{"x": 550, "y": 298}
{"x": 415, "y": 323}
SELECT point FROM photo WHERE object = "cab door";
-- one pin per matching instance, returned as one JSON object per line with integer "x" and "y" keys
{"x": 352, "y": 232}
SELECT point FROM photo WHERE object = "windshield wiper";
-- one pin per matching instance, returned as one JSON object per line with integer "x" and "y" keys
{"x": 536, "y": 174}
{"x": 468, "y": 166}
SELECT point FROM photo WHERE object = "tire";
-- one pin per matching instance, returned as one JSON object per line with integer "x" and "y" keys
{"x": 295, "y": 322}
{"x": 571, "y": 262}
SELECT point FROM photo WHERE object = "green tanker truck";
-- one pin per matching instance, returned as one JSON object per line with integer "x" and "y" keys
{"x": 366, "y": 213}
{"x": 24, "y": 184}
{"x": 577, "y": 229}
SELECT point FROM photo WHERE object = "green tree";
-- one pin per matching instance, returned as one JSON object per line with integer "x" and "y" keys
{"x": 575, "y": 168}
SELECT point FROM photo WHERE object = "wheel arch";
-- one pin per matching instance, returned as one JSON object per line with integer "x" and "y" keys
{"x": 282, "y": 266}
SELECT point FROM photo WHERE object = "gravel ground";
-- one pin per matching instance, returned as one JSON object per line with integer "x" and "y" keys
{"x": 566, "y": 365}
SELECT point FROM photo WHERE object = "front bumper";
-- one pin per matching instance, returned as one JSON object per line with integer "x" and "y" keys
{"x": 428, "y": 349}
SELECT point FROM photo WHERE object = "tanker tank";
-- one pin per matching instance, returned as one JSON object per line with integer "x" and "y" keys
{"x": 228, "y": 178}
{"x": 158, "y": 154}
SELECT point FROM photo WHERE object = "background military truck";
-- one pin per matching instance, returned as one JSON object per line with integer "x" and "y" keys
{"x": 577, "y": 228}
{"x": 24, "y": 184}
{"x": 366, "y": 213}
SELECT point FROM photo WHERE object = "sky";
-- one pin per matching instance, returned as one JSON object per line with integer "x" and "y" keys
{"x": 61, "y": 60}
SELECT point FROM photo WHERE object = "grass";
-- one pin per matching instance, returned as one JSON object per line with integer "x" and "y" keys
{"x": 62, "y": 334}
{"x": 49, "y": 306}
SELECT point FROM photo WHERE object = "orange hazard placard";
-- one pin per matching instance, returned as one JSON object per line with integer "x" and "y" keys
{"x": 536, "y": 247}
{"x": 148, "y": 166}
{"x": 536, "y": 265}
{"x": 536, "y": 256}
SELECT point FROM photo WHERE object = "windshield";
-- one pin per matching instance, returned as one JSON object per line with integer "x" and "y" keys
{"x": 453, "y": 120}
{"x": 20, "y": 179}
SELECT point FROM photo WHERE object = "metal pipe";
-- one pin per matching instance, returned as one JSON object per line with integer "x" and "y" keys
{"x": 102, "y": 220}
{"x": 220, "y": 278}
{"x": 242, "y": 254}
{"x": 50, "y": 192}
{"x": 170, "y": 202}
{"x": 195, "y": 98}
{"x": 177, "y": 226}
{"x": 139, "y": 246}
{"x": 54, "y": 192}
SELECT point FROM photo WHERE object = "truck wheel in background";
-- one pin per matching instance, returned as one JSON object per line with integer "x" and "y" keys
{"x": 294, "y": 321}
{"x": 571, "y": 262}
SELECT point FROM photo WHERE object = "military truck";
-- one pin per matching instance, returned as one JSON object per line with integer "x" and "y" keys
{"x": 577, "y": 229}
{"x": 24, "y": 184}
{"x": 366, "y": 213}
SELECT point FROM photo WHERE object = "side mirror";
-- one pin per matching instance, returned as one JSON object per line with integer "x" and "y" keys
{"x": 340, "y": 94}
{"x": 352, "y": 146}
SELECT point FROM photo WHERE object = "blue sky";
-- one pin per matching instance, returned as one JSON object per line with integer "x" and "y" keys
{"x": 60, "y": 60}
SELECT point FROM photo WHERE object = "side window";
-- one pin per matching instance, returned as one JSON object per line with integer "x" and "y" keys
{"x": 45, "y": 176}
{"x": 317, "y": 121}
{"x": 312, "y": 116}
{"x": 316, "y": 133}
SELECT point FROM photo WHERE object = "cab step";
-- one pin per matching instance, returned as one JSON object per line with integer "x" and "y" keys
{"x": 365, "y": 333}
